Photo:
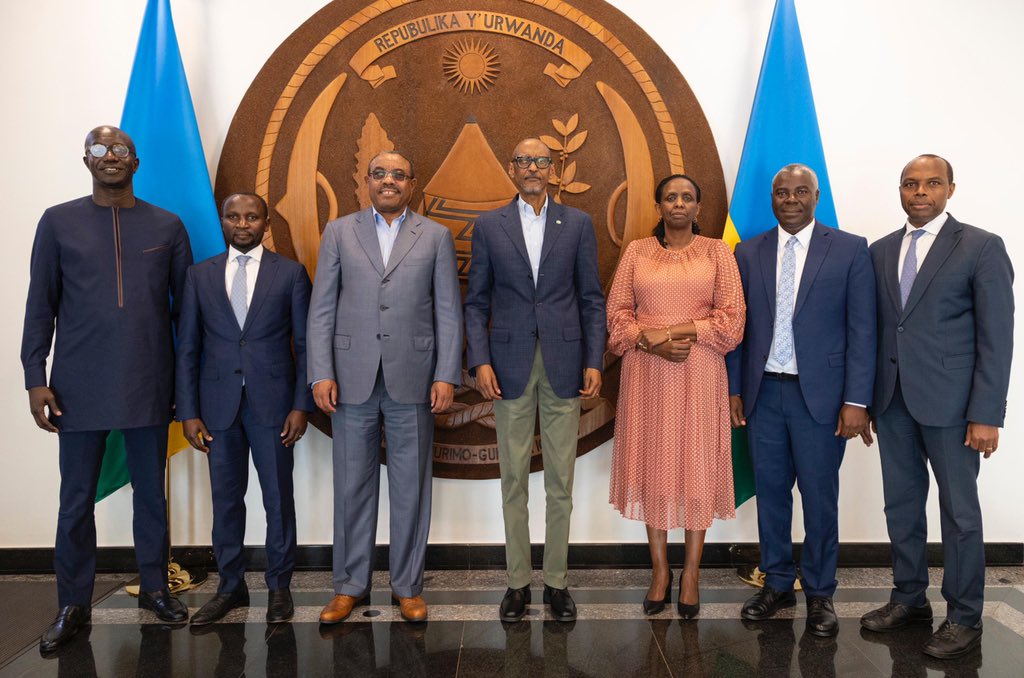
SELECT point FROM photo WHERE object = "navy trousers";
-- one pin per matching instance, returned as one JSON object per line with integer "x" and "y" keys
{"x": 409, "y": 429}
{"x": 787, "y": 445}
{"x": 229, "y": 478}
{"x": 906, "y": 448}
{"x": 81, "y": 455}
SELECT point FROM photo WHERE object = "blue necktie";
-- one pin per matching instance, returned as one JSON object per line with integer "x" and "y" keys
{"x": 909, "y": 273}
{"x": 784, "y": 305}
{"x": 239, "y": 287}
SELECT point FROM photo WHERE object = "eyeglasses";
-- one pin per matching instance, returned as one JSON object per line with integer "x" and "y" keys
{"x": 101, "y": 150}
{"x": 524, "y": 161}
{"x": 397, "y": 175}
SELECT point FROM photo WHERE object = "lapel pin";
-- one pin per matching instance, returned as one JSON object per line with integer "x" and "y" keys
{"x": 558, "y": 221}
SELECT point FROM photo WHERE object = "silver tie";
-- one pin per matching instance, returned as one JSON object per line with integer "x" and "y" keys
{"x": 239, "y": 287}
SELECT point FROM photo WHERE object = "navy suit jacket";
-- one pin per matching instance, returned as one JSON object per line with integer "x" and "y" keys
{"x": 506, "y": 313}
{"x": 833, "y": 321}
{"x": 951, "y": 346}
{"x": 214, "y": 354}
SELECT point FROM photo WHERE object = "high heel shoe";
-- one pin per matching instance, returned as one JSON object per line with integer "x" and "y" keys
{"x": 687, "y": 611}
{"x": 655, "y": 606}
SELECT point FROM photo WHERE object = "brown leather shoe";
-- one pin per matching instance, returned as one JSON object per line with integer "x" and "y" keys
{"x": 340, "y": 608}
{"x": 412, "y": 609}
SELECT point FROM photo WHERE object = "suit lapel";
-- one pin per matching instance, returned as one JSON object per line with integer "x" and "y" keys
{"x": 218, "y": 285}
{"x": 890, "y": 268}
{"x": 821, "y": 240}
{"x": 513, "y": 228}
{"x": 408, "y": 234}
{"x": 552, "y": 229}
{"x": 366, "y": 233}
{"x": 264, "y": 283}
{"x": 947, "y": 240}
{"x": 768, "y": 254}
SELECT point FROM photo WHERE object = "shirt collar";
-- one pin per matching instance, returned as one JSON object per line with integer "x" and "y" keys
{"x": 255, "y": 254}
{"x": 932, "y": 227}
{"x": 379, "y": 219}
{"x": 526, "y": 209}
{"x": 803, "y": 236}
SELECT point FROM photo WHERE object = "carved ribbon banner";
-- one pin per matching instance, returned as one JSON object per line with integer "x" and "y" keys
{"x": 399, "y": 35}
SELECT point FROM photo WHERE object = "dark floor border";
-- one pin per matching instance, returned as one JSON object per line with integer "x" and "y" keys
{"x": 492, "y": 556}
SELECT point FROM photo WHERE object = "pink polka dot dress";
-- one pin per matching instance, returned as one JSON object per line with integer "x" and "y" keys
{"x": 672, "y": 455}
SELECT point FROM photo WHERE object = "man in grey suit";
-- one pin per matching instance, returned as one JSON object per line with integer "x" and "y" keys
{"x": 384, "y": 345}
{"x": 945, "y": 340}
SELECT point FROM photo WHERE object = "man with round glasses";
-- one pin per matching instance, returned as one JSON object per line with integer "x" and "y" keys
{"x": 384, "y": 346}
{"x": 107, "y": 270}
{"x": 535, "y": 327}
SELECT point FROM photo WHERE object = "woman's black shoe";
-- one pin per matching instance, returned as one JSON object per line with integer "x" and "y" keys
{"x": 687, "y": 611}
{"x": 655, "y": 606}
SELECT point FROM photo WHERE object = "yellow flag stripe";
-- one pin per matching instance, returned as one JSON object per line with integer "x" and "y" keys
{"x": 730, "y": 235}
{"x": 175, "y": 439}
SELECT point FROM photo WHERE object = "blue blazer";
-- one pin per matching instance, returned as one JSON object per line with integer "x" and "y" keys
{"x": 506, "y": 313}
{"x": 214, "y": 354}
{"x": 833, "y": 321}
{"x": 952, "y": 344}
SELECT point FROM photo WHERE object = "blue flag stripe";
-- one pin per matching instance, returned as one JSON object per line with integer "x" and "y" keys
{"x": 783, "y": 129}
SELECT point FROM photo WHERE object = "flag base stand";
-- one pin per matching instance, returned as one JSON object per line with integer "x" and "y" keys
{"x": 755, "y": 577}
{"x": 178, "y": 579}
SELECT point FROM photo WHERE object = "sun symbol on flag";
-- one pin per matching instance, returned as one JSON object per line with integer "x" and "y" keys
{"x": 471, "y": 66}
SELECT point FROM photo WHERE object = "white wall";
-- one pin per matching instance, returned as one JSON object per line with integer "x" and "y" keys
{"x": 890, "y": 79}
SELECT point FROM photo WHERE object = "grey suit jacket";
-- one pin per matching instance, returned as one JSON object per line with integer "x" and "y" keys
{"x": 406, "y": 317}
{"x": 952, "y": 344}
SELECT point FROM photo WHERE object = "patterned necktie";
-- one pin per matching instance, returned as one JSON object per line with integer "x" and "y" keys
{"x": 238, "y": 290}
{"x": 909, "y": 273}
{"x": 784, "y": 305}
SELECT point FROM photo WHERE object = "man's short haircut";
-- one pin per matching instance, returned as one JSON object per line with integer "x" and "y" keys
{"x": 258, "y": 198}
{"x": 931, "y": 156}
{"x": 400, "y": 154}
{"x": 796, "y": 167}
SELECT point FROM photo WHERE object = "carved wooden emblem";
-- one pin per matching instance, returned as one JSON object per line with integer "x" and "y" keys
{"x": 456, "y": 85}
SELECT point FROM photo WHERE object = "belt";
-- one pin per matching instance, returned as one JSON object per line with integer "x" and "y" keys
{"x": 782, "y": 376}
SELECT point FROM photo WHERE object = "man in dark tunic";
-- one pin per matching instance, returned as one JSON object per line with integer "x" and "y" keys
{"x": 108, "y": 269}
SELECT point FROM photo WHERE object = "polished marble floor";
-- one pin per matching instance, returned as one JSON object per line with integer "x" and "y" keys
{"x": 464, "y": 637}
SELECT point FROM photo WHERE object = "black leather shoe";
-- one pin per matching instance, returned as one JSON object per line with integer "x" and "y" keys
{"x": 167, "y": 607}
{"x": 70, "y": 620}
{"x": 952, "y": 640}
{"x": 766, "y": 602}
{"x": 821, "y": 617}
{"x": 279, "y": 606}
{"x": 513, "y": 605}
{"x": 892, "y": 616}
{"x": 656, "y": 606}
{"x": 218, "y": 606}
{"x": 562, "y": 605}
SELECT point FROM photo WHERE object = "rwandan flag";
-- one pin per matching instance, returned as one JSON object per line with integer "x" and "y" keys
{"x": 783, "y": 129}
{"x": 159, "y": 117}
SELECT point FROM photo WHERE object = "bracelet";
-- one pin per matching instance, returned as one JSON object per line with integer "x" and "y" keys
{"x": 668, "y": 330}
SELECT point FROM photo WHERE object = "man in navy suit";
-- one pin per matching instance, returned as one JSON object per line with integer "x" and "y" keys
{"x": 107, "y": 272}
{"x": 535, "y": 327}
{"x": 801, "y": 381}
{"x": 945, "y": 341}
{"x": 239, "y": 387}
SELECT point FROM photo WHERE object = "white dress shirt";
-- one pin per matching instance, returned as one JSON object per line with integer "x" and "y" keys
{"x": 387, "y": 233}
{"x": 533, "y": 232}
{"x": 924, "y": 241}
{"x": 252, "y": 269}
{"x": 803, "y": 241}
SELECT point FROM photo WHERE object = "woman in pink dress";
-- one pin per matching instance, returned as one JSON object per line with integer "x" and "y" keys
{"x": 675, "y": 309}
